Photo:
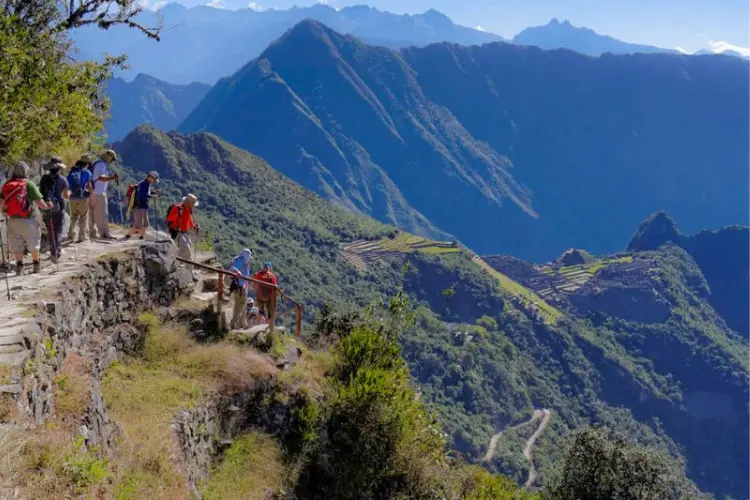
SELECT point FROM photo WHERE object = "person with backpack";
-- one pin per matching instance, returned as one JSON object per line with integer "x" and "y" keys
{"x": 79, "y": 182}
{"x": 55, "y": 190}
{"x": 138, "y": 198}
{"x": 19, "y": 194}
{"x": 266, "y": 294}
{"x": 239, "y": 287}
{"x": 180, "y": 223}
{"x": 98, "y": 209}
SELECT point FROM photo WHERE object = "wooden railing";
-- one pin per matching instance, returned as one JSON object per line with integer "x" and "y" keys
{"x": 220, "y": 294}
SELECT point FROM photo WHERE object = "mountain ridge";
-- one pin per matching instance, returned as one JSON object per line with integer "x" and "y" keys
{"x": 147, "y": 99}
{"x": 457, "y": 131}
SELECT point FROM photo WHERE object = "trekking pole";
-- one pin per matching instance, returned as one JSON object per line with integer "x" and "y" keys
{"x": 53, "y": 243}
{"x": 7, "y": 264}
{"x": 119, "y": 202}
{"x": 73, "y": 242}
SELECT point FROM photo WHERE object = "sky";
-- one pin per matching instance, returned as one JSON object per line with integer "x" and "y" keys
{"x": 688, "y": 25}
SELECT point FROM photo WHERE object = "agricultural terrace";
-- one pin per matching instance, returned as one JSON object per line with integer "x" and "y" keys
{"x": 361, "y": 252}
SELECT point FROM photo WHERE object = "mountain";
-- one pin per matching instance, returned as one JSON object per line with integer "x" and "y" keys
{"x": 510, "y": 149}
{"x": 563, "y": 35}
{"x": 203, "y": 44}
{"x": 149, "y": 100}
{"x": 722, "y": 256}
{"x": 511, "y": 338}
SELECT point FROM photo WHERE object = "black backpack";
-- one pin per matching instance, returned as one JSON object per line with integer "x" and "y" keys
{"x": 52, "y": 187}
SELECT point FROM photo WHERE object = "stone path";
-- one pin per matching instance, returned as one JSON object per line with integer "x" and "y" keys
{"x": 17, "y": 327}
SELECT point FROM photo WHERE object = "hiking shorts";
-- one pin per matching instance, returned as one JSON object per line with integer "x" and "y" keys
{"x": 140, "y": 216}
{"x": 23, "y": 233}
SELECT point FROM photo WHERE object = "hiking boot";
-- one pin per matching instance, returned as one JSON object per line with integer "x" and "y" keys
{"x": 127, "y": 237}
{"x": 19, "y": 268}
{"x": 37, "y": 267}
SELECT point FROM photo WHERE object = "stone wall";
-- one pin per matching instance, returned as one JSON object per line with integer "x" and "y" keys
{"x": 90, "y": 316}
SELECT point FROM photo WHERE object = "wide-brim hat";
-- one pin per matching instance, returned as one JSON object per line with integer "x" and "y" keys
{"x": 110, "y": 152}
{"x": 85, "y": 159}
{"x": 54, "y": 165}
{"x": 191, "y": 199}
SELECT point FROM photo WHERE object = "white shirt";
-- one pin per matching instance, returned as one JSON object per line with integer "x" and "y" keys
{"x": 100, "y": 168}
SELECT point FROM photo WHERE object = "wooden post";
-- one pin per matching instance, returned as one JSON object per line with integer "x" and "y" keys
{"x": 220, "y": 300}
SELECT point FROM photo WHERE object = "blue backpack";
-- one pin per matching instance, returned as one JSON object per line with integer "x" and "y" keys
{"x": 75, "y": 184}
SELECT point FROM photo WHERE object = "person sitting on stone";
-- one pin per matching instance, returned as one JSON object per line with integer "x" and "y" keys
{"x": 252, "y": 312}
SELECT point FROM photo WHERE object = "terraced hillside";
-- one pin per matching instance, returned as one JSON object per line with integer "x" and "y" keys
{"x": 361, "y": 252}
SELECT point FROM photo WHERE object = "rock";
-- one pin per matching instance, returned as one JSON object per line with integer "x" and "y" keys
{"x": 159, "y": 257}
{"x": 210, "y": 284}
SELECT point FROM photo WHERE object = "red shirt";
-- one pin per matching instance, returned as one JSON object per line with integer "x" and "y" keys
{"x": 265, "y": 292}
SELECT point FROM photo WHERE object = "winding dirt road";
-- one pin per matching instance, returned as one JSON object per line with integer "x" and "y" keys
{"x": 530, "y": 444}
{"x": 545, "y": 415}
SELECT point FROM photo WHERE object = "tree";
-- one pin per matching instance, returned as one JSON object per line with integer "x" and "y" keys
{"x": 598, "y": 465}
{"x": 58, "y": 16}
{"x": 448, "y": 293}
{"x": 48, "y": 103}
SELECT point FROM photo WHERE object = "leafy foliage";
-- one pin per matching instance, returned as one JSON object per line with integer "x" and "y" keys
{"x": 48, "y": 103}
{"x": 599, "y": 466}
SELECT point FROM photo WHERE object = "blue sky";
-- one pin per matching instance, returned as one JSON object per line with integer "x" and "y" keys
{"x": 687, "y": 24}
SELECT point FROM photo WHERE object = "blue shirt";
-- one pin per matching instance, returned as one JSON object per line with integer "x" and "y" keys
{"x": 142, "y": 194}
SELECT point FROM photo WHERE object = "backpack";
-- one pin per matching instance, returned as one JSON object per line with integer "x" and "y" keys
{"x": 74, "y": 183}
{"x": 174, "y": 214}
{"x": 16, "y": 199}
{"x": 51, "y": 187}
{"x": 131, "y": 191}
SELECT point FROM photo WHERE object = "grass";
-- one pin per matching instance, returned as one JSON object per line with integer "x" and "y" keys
{"x": 143, "y": 395}
{"x": 6, "y": 374}
{"x": 512, "y": 287}
{"x": 72, "y": 393}
{"x": 249, "y": 467}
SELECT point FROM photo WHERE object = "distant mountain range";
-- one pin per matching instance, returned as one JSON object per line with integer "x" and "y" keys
{"x": 149, "y": 100}
{"x": 563, "y": 35}
{"x": 204, "y": 44}
{"x": 509, "y": 148}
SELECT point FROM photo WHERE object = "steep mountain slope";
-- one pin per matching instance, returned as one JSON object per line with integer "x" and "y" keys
{"x": 563, "y": 35}
{"x": 722, "y": 256}
{"x": 203, "y": 44}
{"x": 149, "y": 100}
{"x": 596, "y": 144}
{"x": 484, "y": 356}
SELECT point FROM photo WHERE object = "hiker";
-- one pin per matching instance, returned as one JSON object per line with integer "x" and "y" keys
{"x": 180, "y": 222}
{"x": 54, "y": 189}
{"x": 18, "y": 193}
{"x": 266, "y": 295}
{"x": 79, "y": 183}
{"x": 138, "y": 201}
{"x": 252, "y": 312}
{"x": 239, "y": 287}
{"x": 98, "y": 209}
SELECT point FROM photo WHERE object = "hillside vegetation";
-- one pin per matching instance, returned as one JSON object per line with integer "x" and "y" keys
{"x": 483, "y": 359}
{"x": 510, "y": 149}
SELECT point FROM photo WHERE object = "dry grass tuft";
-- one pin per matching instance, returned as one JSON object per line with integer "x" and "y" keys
{"x": 250, "y": 467}
{"x": 73, "y": 389}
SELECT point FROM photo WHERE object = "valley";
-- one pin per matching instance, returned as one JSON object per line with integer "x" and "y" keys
{"x": 519, "y": 266}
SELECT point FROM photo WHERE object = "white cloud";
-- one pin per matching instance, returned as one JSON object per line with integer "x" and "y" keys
{"x": 324, "y": 2}
{"x": 255, "y": 6}
{"x": 719, "y": 47}
{"x": 216, "y": 4}
{"x": 683, "y": 51}
{"x": 152, "y": 4}
{"x": 479, "y": 28}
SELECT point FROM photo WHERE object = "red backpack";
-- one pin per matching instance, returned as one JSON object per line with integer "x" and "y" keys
{"x": 16, "y": 199}
{"x": 174, "y": 214}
